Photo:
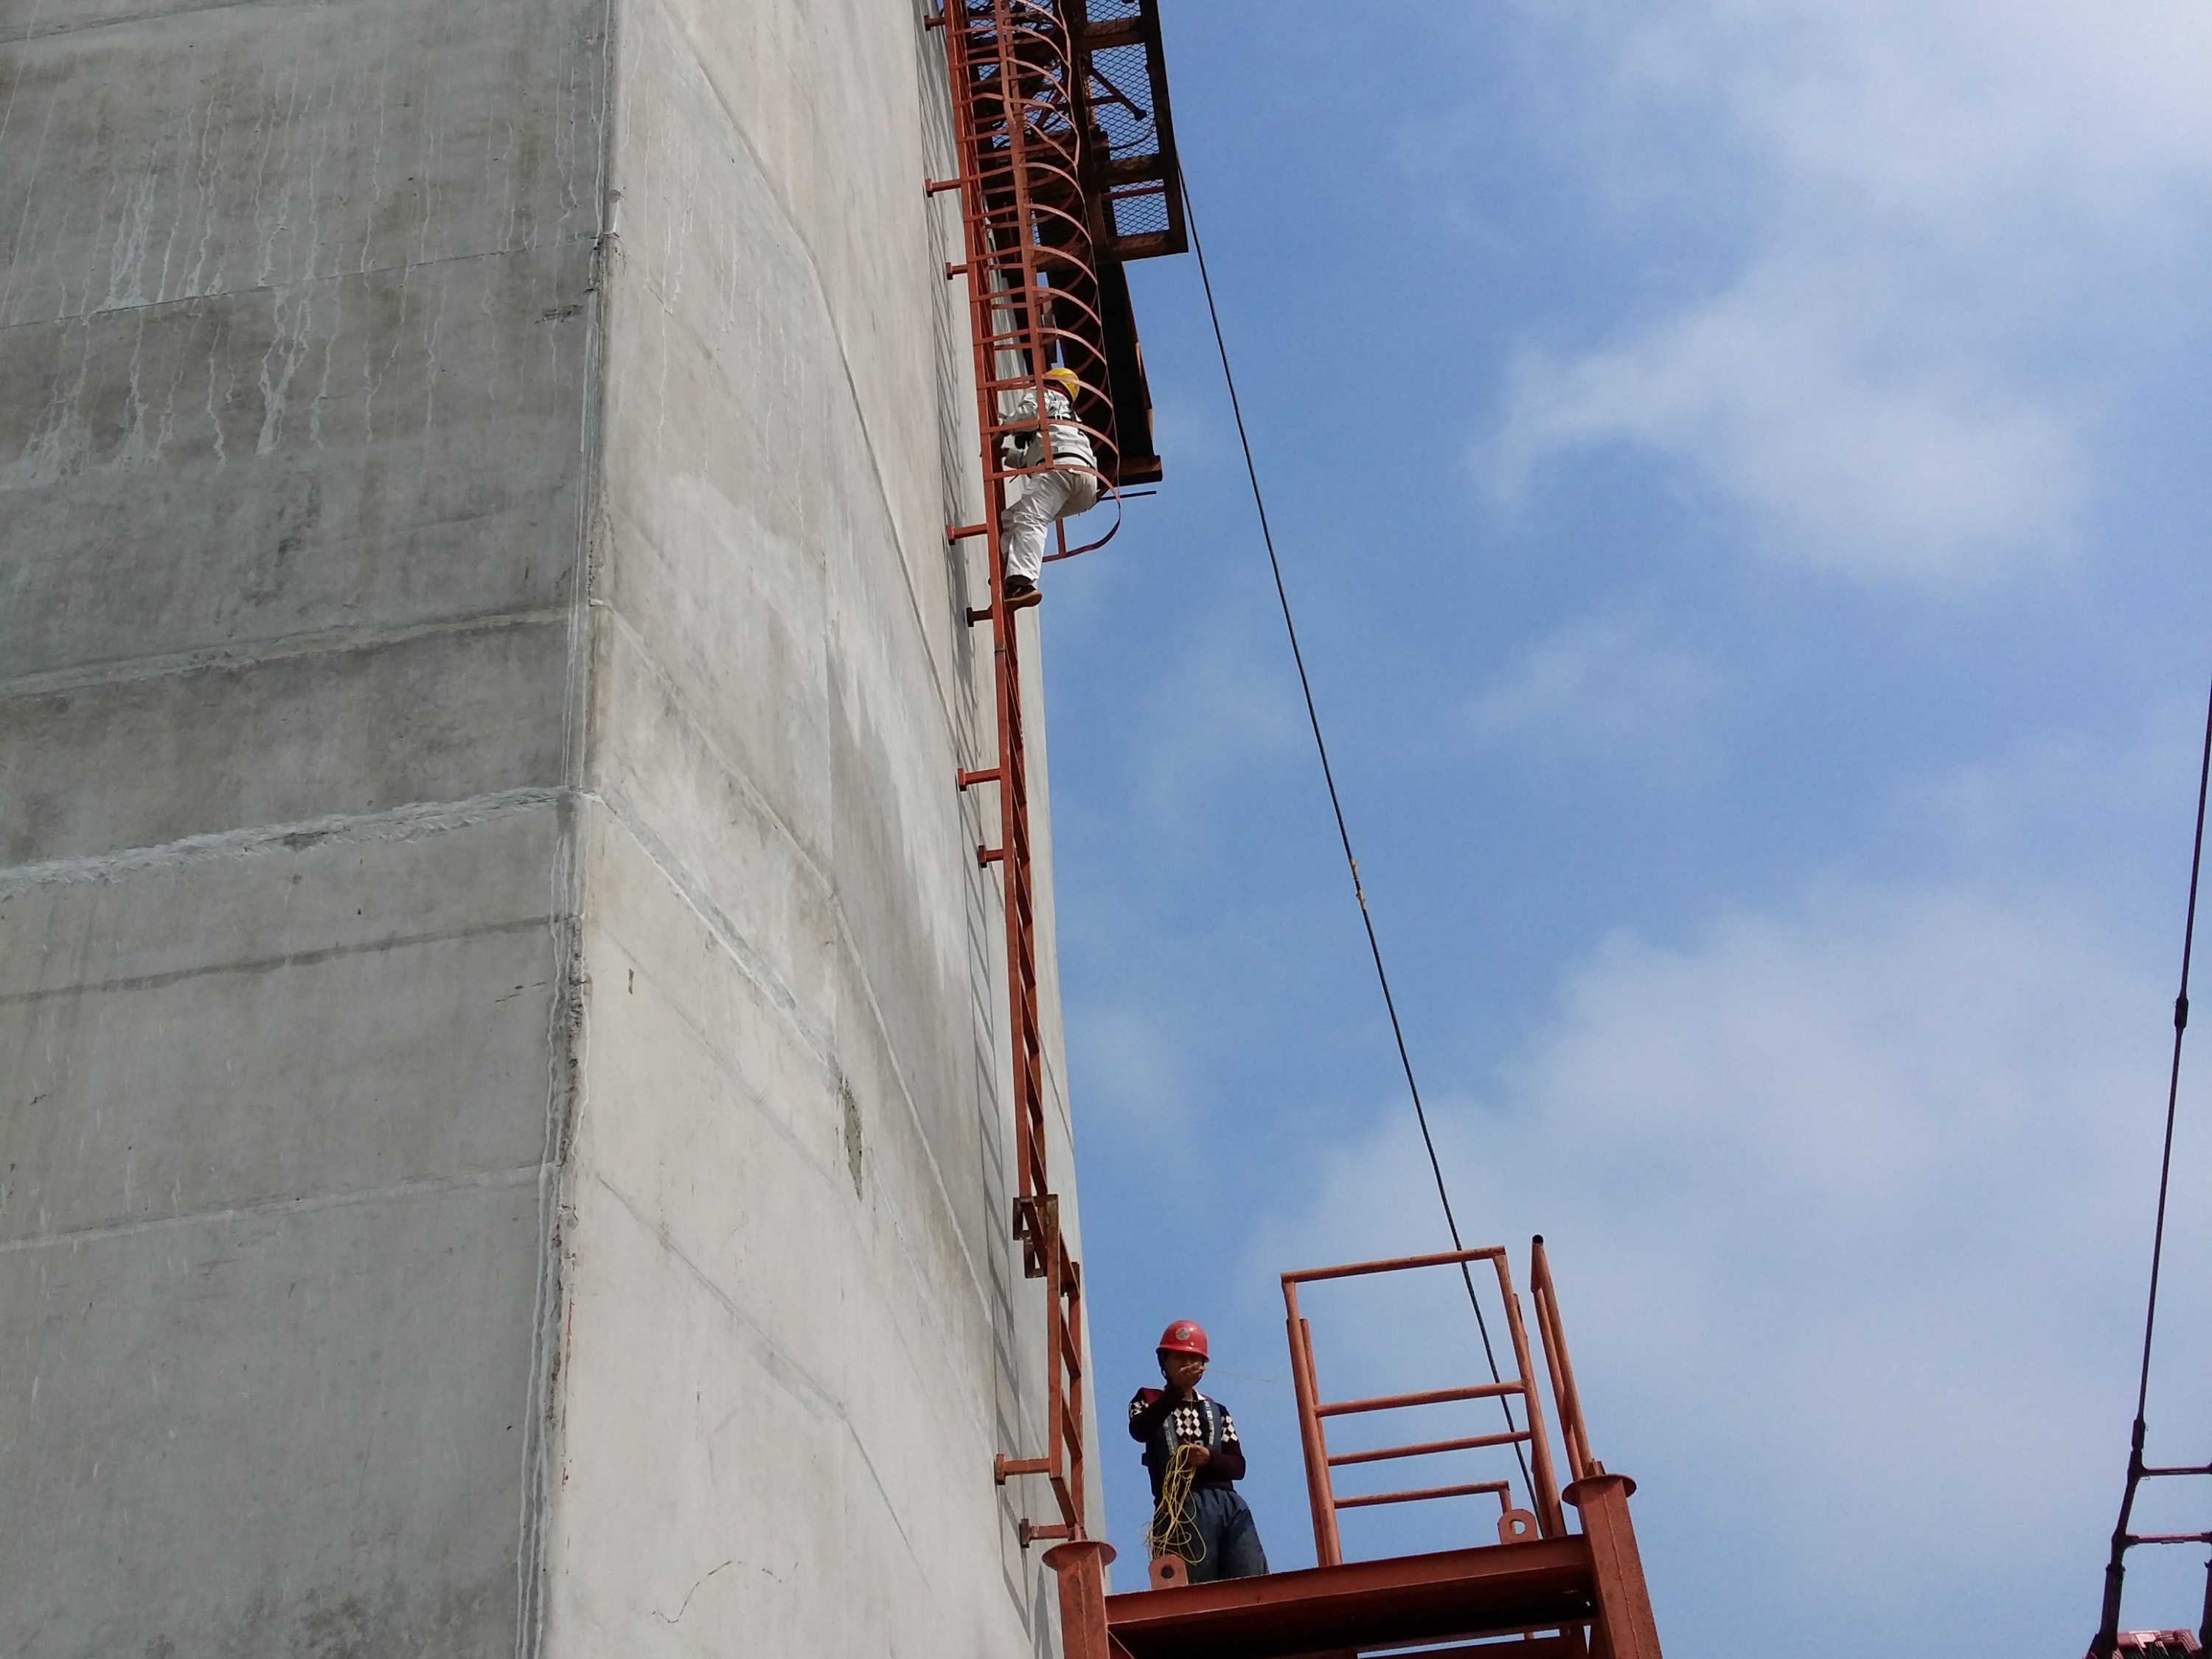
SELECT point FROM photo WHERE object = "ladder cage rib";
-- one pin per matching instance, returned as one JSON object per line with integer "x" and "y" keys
{"x": 1042, "y": 164}
{"x": 1030, "y": 279}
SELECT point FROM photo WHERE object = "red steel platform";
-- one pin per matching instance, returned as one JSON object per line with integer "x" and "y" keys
{"x": 1454, "y": 1595}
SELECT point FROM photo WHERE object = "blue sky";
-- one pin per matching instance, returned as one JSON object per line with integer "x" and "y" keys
{"x": 1739, "y": 467}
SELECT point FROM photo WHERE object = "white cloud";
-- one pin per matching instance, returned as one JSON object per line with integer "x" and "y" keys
{"x": 1849, "y": 1207}
{"x": 1946, "y": 197}
{"x": 1782, "y": 392}
{"x": 1610, "y": 682}
{"x": 2054, "y": 804}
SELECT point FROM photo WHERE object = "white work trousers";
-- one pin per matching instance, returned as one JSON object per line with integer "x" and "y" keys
{"x": 1059, "y": 494}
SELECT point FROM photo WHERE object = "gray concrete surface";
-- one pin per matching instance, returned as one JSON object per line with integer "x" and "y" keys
{"x": 502, "y": 1140}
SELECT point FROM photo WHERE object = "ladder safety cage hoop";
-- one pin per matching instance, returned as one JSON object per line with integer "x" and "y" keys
{"x": 1035, "y": 303}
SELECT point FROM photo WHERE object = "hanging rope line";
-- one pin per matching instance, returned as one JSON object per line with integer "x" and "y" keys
{"x": 1173, "y": 1529}
{"x": 1336, "y": 806}
{"x": 2116, "y": 1567}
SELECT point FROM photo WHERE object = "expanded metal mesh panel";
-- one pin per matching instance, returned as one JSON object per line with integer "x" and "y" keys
{"x": 1140, "y": 210}
{"x": 1121, "y": 102}
{"x": 1128, "y": 157}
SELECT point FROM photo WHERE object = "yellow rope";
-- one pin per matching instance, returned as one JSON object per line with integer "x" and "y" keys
{"x": 1174, "y": 1528}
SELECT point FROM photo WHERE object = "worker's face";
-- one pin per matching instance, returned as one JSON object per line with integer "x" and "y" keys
{"x": 1183, "y": 1369}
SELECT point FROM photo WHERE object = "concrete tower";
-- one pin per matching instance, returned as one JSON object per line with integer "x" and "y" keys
{"x": 503, "y": 1137}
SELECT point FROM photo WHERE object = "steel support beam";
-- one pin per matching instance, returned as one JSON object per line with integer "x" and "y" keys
{"x": 1626, "y": 1627}
{"x": 1081, "y": 1566}
{"x": 1451, "y": 1595}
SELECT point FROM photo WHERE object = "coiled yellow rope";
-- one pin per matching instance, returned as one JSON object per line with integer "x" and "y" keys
{"x": 1174, "y": 1528}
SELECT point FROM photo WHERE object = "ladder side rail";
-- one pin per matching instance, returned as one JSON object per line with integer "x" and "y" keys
{"x": 986, "y": 302}
{"x": 1566, "y": 1399}
{"x": 1019, "y": 151}
{"x": 995, "y": 279}
{"x": 1057, "y": 1460}
{"x": 1314, "y": 1409}
{"x": 1549, "y": 1515}
{"x": 1072, "y": 1357}
{"x": 973, "y": 97}
{"x": 1320, "y": 1495}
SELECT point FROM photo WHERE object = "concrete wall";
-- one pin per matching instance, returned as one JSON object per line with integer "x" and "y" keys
{"x": 502, "y": 1142}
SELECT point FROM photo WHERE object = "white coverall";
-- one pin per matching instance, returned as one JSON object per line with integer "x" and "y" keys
{"x": 1072, "y": 486}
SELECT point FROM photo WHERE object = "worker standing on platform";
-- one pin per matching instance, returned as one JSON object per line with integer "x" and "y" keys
{"x": 1069, "y": 488}
{"x": 1192, "y": 1455}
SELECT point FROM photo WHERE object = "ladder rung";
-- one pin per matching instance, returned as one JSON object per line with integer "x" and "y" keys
{"x": 1365, "y": 1499}
{"x": 1428, "y": 1447}
{"x": 1432, "y": 1397}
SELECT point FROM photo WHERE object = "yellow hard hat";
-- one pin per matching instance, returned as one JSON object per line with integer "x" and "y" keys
{"x": 1066, "y": 376}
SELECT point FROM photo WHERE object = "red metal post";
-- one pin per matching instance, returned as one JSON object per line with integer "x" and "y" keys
{"x": 1319, "y": 1493}
{"x": 1625, "y": 1628}
{"x": 1564, "y": 1395}
{"x": 1081, "y": 1565}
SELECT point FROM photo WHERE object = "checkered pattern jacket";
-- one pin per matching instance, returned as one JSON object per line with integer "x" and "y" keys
{"x": 1162, "y": 1423}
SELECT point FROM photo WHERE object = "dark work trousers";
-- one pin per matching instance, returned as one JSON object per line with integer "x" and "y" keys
{"x": 1223, "y": 1523}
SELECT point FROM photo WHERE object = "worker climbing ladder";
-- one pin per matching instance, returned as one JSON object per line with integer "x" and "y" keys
{"x": 1032, "y": 278}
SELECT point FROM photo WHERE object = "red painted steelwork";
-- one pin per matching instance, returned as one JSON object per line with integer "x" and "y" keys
{"x": 1027, "y": 243}
{"x": 1567, "y": 1595}
{"x": 1129, "y": 159}
{"x": 1573, "y": 1434}
{"x": 1423, "y": 1449}
{"x": 1327, "y": 1546}
{"x": 1080, "y": 1566}
{"x": 1430, "y": 1397}
{"x": 1502, "y": 1489}
{"x": 1624, "y": 1604}
{"x": 1450, "y": 1595}
{"x": 1020, "y": 121}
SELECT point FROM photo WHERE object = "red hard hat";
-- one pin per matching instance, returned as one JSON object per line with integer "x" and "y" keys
{"x": 1184, "y": 1336}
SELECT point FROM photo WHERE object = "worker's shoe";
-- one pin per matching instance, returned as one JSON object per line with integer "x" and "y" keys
{"x": 1020, "y": 591}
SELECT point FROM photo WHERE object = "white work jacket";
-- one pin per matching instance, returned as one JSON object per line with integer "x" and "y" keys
{"x": 1071, "y": 445}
